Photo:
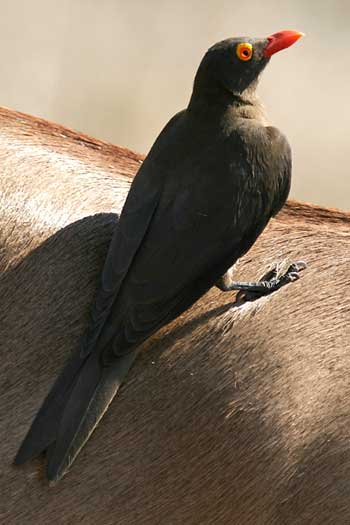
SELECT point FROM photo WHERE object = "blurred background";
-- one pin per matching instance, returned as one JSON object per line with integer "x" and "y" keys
{"x": 119, "y": 70}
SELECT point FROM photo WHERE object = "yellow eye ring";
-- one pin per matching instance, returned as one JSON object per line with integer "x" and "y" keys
{"x": 244, "y": 51}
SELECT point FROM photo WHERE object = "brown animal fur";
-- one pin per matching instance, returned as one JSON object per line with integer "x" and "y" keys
{"x": 233, "y": 415}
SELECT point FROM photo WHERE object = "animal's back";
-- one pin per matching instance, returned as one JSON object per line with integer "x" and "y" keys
{"x": 233, "y": 415}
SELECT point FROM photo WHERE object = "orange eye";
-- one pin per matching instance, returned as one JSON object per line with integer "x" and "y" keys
{"x": 244, "y": 51}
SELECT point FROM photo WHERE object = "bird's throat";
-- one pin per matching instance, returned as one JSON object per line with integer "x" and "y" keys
{"x": 217, "y": 105}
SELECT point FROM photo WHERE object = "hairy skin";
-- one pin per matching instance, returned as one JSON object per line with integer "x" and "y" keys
{"x": 236, "y": 414}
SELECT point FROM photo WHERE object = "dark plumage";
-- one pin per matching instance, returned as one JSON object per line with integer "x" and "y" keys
{"x": 211, "y": 182}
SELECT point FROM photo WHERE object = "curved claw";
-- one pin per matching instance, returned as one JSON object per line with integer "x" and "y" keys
{"x": 291, "y": 276}
{"x": 298, "y": 266}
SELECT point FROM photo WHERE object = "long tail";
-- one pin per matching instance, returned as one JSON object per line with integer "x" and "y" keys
{"x": 43, "y": 430}
{"x": 72, "y": 410}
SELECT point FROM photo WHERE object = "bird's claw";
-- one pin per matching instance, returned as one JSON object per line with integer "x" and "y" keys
{"x": 292, "y": 276}
{"x": 298, "y": 266}
{"x": 273, "y": 280}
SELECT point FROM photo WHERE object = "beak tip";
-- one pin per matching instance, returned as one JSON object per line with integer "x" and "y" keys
{"x": 281, "y": 40}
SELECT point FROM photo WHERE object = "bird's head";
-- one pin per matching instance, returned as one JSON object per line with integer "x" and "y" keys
{"x": 234, "y": 65}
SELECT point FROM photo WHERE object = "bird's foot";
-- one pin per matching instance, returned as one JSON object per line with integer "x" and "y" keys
{"x": 272, "y": 281}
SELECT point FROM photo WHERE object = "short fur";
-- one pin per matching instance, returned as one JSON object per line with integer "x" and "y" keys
{"x": 233, "y": 415}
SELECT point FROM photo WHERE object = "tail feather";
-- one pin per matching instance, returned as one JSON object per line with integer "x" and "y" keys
{"x": 89, "y": 399}
{"x": 45, "y": 425}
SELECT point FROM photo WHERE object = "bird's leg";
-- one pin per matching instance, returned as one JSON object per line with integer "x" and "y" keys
{"x": 270, "y": 282}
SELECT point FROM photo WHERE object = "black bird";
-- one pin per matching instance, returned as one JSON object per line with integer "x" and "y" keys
{"x": 212, "y": 180}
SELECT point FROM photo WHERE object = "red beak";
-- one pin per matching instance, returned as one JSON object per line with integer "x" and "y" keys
{"x": 281, "y": 40}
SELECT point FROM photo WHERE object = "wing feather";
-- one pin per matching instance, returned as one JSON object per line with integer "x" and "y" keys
{"x": 134, "y": 222}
